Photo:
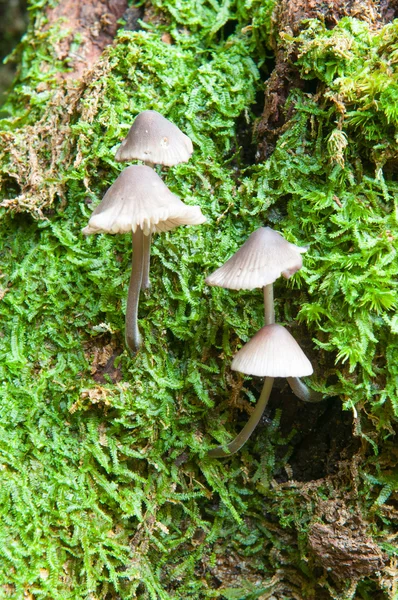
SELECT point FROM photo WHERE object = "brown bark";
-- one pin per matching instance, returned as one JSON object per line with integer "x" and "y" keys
{"x": 287, "y": 19}
{"x": 289, "y": 14}
{"x": 343, "y": 545}
{"x": 94, "y": 21}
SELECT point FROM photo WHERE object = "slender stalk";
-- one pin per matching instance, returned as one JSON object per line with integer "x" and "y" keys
{"x": 269, "y": 311}
{"x": 145, "y": 283}
{"x": 302, "y": 391}
{"x": 132, "y": 333}
{"x": 250, "y": 426}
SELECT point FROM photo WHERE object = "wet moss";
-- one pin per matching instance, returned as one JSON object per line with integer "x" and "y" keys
{"x": 106, "y": 489}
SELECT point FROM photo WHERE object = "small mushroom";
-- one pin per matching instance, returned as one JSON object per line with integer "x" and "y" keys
{"x": 139, "y": 201}
{"x": 272, "y": 352}
{"x": 155, "y": 140}
{"x": 264, "y": 257}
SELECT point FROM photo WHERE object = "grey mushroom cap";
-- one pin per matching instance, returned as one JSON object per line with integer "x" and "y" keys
{"x": 139, "y": 198}
{"x": 272, "y": 352}
{"x": 154, "y": 139}
{"x": 264, "y": 257}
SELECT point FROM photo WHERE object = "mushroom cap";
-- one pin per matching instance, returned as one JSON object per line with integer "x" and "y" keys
{"x": 139, "y": 198}
{"x": 155, "y": 139}
{"x": 272, "y": 352}
{"x": 264, "y": 257}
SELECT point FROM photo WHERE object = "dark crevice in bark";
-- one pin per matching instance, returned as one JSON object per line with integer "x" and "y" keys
{"x": 13, "y": 23}
{"x": 132, "y": 17}
{"x": 274, "y": 117}
{"x": 323, "y": 434}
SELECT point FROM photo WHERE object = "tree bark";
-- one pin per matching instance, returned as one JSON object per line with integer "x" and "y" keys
{"x": 94, "y": 21}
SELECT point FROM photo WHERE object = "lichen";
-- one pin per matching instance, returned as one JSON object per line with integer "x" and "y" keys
{"x": 106, "y": 491}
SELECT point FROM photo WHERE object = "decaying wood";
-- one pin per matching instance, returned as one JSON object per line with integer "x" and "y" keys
{"x": 93, "y": 24}
{"x": 343, "y": 545}
{"x": 289, "y": 14}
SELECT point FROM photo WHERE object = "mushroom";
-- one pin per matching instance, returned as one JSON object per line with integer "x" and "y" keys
{"x": 155, "y": 140}
{"x": 264, "y": 257}
{"x": 272, "y": 352}
{"x": 140, "y": 202}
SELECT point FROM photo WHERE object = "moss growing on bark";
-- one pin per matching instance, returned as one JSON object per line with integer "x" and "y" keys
{"x": 106, "y": 490}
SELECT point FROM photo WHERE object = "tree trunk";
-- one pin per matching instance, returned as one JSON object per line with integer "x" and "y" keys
{"x": 107, "y": 490}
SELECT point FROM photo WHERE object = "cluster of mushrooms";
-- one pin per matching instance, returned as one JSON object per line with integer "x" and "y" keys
{"x": 139, "y": 201}
{"x": 273, "y": 351}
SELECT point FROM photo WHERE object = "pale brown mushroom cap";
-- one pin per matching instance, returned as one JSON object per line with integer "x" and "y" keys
{"x": 139, "y": 198}
{"x": 156, "y": 140}
{"x": 272, "y": 352}
{"x": 264, "y": 257}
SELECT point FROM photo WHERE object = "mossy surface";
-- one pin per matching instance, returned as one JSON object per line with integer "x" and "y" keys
{"x": 105, "y": 486}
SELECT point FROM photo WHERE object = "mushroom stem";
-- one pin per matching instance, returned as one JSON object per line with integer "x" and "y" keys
{"x": 269, "y": 311}
{"x": 250, "y": 426}
{"x": 145, "y": 283}
{"x": 302, "y": 391}
{"x": 133, "y": 336}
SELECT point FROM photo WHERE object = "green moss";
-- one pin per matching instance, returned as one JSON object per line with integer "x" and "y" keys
{"x": 106, "y": 491}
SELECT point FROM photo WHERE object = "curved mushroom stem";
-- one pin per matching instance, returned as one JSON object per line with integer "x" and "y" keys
{"x": 250, "y": 426}
{"x": 302, "y": 391}
{"x": 145, "y": 283}
{"x": 132, "y": 333}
